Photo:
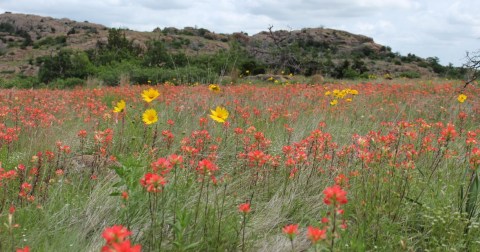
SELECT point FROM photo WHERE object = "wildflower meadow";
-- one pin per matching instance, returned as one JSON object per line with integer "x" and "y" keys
{"x": 385, "y": 165}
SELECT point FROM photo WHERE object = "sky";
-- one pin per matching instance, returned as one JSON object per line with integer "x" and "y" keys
{"x": 446, "y": 29}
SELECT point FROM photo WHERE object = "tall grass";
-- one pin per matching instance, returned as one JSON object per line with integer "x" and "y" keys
{"x": 406, "y": 154}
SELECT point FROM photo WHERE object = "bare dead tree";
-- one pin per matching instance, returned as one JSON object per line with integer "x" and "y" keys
{"x": 284, "y": 56}
{"x": 473, "y": 66}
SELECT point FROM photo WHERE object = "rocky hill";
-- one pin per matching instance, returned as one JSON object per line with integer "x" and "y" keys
{"x": 24, "y": 38}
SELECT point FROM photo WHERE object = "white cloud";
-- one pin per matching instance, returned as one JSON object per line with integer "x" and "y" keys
{"x": 442, "y": 28}
{"x": 403, "y": 4}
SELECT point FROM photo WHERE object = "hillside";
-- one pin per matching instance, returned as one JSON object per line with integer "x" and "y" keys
{"x": 24, "y": 39}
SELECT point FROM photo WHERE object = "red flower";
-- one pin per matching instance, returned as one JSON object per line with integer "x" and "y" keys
{"x": 125, "y": 195}
{"x": 341, "y": 180}
{"x": 256, "y": 157}
{"x": 163, "y": 165}
{"x": 207, "y": 166}
{"x": 124, "y": 246}
{"x": 175, "y": 159}
{"x": 448, "y": 133}
{"x": 26, "y": 186}
{"x": 25, "y": 249}
{"x": 244, "y": 208}
{"x": 475, "y": 157}
{"x": 335, "y": 195}
{"x": 115, "y": 234}
{"x": 116, "y": 240}
{"x": 153, "y": 182}
{"x": 82, "y": 133}
{"x": 316, "y": 234}
{"x": 290, "y": 230}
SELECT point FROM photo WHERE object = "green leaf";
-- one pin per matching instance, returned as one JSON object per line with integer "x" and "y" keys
{"x": 191, "y": 246}
{"x": 461, "y": 199}
{"x": 471, "y": 205}
{"x": 118, "y": 184}
{"x": 120, "y": 171}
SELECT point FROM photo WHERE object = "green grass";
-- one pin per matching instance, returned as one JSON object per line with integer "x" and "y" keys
{"x": 404, "y": 192}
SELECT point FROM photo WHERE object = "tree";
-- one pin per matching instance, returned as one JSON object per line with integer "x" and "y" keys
{"x": 156, "y": 54}
{"x": 66, "y": 64}
{"x": 473, "y": 67}
{"x": 117, "y": 48}
{"x": 435, "y": 65}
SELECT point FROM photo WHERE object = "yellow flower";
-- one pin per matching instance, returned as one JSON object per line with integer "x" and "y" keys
{"x": 150, "y": 95}
{"x": 334, "y": 102}
{"x": 340, "y": 94}
{"x": 461, "y": 98}
{"x": 328, "y": 93}
{"x": 120, "y": 106}
{"x": 348, "y": 99}
{"x": 353, "y": 92}
{"x": 214, "y": 88}
{"x": 150, "y": 116}
{"x": 220, "y": 114}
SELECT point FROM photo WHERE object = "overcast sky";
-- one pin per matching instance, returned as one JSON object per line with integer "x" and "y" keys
{"x": 442, "y": 28}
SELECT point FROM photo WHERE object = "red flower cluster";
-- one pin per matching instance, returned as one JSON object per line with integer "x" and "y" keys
{"x": 206, "y": 166}
{"x": 316, "y": 234}
{"x": 117, "y": 241}
{"x": 154, "y": 183}
{"x": 290, "y": 230}
{"x": 335, "y": 195}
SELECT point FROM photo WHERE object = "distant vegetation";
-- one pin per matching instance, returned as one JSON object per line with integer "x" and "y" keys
{"x": 118, "y": 59}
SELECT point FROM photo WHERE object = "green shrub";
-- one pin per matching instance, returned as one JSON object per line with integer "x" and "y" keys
{"x": 7, "y": 27}
{"x": 350, "y": 74}
{"x": 111, "y": 74}
{"x": 66, "y": 83}
{"x": 20, "y": 81}
{"x": 66, "y": 64}
{"x": 51, "y": 41}
{"x": 410, "y": 75}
